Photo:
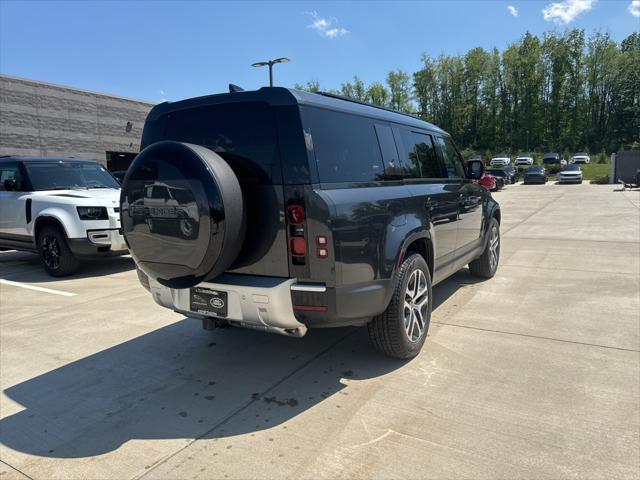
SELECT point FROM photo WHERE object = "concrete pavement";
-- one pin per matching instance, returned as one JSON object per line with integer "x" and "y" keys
{"x": 532, "y": 374}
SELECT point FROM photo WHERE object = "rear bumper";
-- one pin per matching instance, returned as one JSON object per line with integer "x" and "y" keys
{"x": 283, "y": 305}
{"x": 262, "y": 303}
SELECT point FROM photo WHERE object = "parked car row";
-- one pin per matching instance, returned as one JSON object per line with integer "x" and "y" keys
{"x": 550, "y": 158}
{"x": 571, "y": 173}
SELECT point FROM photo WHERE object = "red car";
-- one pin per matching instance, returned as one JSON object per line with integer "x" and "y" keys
{"x": 487, "y": 181}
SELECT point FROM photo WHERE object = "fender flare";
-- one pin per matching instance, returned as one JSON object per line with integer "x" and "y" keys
{"x": 50, "y": 215}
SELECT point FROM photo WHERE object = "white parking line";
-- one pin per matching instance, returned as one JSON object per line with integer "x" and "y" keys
{"x": 38, "y": 289}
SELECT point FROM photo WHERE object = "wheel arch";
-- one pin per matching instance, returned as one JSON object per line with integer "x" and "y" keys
{"x": 47, "y": 220}
{"x": 420, "y": 242}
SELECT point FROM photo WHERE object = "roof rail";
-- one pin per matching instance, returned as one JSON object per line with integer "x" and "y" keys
{"x": 342, "y": 97}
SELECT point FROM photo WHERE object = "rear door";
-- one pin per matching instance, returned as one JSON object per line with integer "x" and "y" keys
{"x": 469, "y": 196}
{"x": 437, "y": 199}
{"x": 245, "y": 134}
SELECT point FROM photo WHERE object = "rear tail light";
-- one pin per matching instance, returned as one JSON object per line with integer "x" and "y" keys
{"x": 296, "y": 214}
{"x": 297, "y": 240}
{"x": 298, "y": 246}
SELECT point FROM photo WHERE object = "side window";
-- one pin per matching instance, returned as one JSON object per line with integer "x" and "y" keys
{"x": 419, "y": 159}
{"x": 390, "y": 156}
{"x": 450, "y": 158}
{"x": 346, "y": 147}
{"x": 10, "y": 172}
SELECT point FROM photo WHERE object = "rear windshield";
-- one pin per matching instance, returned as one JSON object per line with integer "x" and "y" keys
{"x": 69, "y": 176}
{"x": 244, "y": 134}
{"x": 346, "y": 146}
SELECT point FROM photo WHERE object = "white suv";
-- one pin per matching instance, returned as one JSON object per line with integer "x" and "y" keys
{"x": 524, "y": 160}
{"x": 580, "y": 157}
{"x": 501, "y": 160}
{"x": 64, "y": 209}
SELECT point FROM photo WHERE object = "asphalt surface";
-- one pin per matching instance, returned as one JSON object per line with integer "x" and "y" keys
{"x": 532, "y": 374}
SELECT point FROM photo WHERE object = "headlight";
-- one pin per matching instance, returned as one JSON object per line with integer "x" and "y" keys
{"x": 93, "y": 213}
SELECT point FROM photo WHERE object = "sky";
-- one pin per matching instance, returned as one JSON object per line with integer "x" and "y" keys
{"x": 169, "y": 50}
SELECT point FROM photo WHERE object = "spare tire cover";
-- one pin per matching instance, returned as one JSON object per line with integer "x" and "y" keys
{"x": 182, "y": 213}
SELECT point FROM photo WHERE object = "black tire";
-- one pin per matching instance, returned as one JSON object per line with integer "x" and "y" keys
{"x": 387, "y": 331}
{"x": 56, "y": 257}
{"x": 206, "y": 235}
{"x": 486, "y": 265}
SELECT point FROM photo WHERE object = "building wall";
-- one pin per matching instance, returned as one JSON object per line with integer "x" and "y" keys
{"x": 42, "y": 119}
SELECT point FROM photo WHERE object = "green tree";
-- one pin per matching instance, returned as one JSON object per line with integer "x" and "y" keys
{"x": 355, "y": 90}
{"x": 400, "y": 91}
{"x": 377, "y": 94}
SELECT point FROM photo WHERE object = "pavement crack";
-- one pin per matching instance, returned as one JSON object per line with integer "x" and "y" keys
{"x": 539, "y": 337}
{"x": 254, "y": 399}
{"x": 16, "y": 469}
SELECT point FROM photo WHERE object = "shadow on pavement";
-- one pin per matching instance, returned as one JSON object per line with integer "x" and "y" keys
{"x": 26, "y": 267}
{"x": 182, "y": 382}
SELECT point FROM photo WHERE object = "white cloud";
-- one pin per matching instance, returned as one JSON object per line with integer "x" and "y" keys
{"x": 566, "y": 11}
{"x": 162, "y": 95}
{"x": 326, "y": 26}
{"x": 634, "y": 8}
{"x": 512, "y": 10}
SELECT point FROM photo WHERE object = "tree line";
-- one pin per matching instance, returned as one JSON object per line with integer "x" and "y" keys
{"x": 563, "y": 92}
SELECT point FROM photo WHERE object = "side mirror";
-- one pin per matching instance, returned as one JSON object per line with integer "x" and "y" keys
{"x": 475, "y": 169}
{"x": 10, "y": 185}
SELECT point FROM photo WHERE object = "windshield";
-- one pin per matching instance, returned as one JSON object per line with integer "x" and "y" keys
{"x": 69, "y": 176}
{"x": 534, "y": 169}
{"x": 571, "y": 168}
{"x": 496, "y": 171}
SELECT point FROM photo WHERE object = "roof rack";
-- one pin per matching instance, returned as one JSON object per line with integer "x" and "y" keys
{"x": 342, "y": 97}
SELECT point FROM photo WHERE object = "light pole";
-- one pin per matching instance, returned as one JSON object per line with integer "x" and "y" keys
{"x": 270, "y": 63}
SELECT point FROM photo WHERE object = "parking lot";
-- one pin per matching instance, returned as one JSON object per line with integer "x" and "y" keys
{"x": 532, "y": 374}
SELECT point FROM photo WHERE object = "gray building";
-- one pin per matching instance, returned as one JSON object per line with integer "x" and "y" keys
{"x": 43, "y": 119}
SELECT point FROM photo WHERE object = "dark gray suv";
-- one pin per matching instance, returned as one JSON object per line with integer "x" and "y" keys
{"x": 305, "y": 211}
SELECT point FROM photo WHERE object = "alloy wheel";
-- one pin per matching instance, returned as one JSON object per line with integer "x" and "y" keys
{"x": 494, "y": 247}
{"x": 416, "y": 304}
{"x": 51, "y": 252}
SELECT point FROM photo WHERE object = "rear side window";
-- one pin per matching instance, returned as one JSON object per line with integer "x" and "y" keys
{"x": 450, "y": 158}
{"x": 420, "y": 160}
{"x": 392, "y": 165}
{"x": 10, "y": 172}
{"x": 244, "y": 134}
{"x": 346, "y": 147}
